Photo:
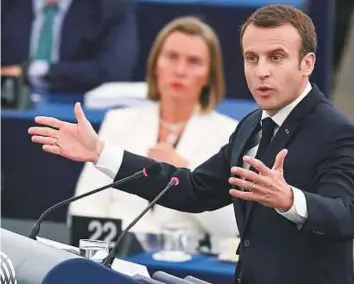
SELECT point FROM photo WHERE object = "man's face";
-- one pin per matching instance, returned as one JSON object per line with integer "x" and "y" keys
{"x": 274, "y": 72}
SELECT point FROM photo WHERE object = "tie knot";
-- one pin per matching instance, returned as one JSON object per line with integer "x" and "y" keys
{"x": 268, "y": 126}
{"x": 50, "y": 8}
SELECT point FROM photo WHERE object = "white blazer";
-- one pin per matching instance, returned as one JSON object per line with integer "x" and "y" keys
{"x": 136, "y": 130}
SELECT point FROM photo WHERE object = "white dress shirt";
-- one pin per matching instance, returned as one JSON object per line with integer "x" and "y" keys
{"x": 111, "y": 159}
{"x": 298, "y": 212}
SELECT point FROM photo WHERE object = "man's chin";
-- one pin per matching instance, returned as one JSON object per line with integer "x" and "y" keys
{"x": 271, "y": 110}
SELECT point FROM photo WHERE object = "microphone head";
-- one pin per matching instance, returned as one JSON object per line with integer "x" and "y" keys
{"x": 152, "y": 170}
{"x": 175, "y": 180}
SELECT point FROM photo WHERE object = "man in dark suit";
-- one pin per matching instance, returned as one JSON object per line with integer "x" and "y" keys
{"x": 69, "y": 45}
{"x": 291, "y": 162}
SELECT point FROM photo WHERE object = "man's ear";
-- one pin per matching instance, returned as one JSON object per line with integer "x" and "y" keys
{"x": 308, "y": 64}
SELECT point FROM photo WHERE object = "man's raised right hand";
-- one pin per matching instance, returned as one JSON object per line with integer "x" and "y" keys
{"x": 74, "y": 141}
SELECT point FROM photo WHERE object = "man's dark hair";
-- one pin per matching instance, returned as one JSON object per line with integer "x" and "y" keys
{"x": 279, "y": 15}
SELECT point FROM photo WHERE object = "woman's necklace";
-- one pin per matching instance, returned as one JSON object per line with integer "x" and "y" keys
{"x": 175, "y": 129}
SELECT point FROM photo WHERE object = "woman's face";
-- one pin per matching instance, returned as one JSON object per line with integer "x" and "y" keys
{"x": 182, "y": 68}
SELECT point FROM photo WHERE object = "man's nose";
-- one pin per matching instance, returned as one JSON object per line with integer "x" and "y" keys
{"x": 263, "y": 69}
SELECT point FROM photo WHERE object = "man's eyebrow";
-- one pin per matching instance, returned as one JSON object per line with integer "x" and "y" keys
{"x": 275, "y": 50}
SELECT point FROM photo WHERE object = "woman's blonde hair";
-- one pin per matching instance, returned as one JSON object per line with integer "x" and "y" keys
{"x": 190, "y": 26}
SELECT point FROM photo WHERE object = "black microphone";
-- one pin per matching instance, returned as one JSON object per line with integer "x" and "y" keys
{"x": 111, "y": 256}
{"x": 149, "y": 171}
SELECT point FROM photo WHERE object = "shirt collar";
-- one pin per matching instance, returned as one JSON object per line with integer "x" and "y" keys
{"x": 282, "y": 114}
{"x": 63, "y": 5}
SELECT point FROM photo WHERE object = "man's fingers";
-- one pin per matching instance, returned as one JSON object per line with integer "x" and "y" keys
{"x": 243, "y": 195}
{"x": 247, "y": 174}
{"x": 79, "y": 114}
{"x": 279, "y": 160}
{"x": 247, "y": 185}
{"x": 53, "y": 149}
{"x": 48, "y": 121}
{"x": 42, "y": 131}
{"x": 43, "y": 140}
{"x": 257, "y": 164}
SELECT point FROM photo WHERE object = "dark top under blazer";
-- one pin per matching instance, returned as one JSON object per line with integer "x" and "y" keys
{"x": 273, "y": 249}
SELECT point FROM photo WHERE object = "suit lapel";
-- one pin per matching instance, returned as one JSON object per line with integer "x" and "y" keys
{"x": 293, "y": 121}
{"x": 195, "y": 128}
{"x": 147, "y": 119}
{"x": 78, "y": 28}
{"x": 246, "y": 131}
{"x": 286, "y": 131}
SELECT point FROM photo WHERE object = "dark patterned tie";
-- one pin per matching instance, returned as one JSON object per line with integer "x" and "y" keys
{"x": 268, "y": 126}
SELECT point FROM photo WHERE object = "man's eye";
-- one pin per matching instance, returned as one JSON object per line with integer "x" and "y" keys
{"x": 276, "y": 57}
{"x": 251, "y": 58}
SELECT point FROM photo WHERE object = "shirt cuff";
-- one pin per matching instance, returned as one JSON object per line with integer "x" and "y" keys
{"x": 298, "y": 212}
{"x": 110, "y": 160}
{"x": 38, "y": 68}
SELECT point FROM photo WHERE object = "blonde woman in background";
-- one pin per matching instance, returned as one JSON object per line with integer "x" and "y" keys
{"x": 185, "y": 82}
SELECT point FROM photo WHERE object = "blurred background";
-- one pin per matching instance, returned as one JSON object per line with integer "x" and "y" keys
{"x": 57, "y": 52}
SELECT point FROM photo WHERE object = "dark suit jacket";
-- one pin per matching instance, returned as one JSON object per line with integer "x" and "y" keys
{"x": 99, "y": 42}
{"x": 273, "y": 249}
